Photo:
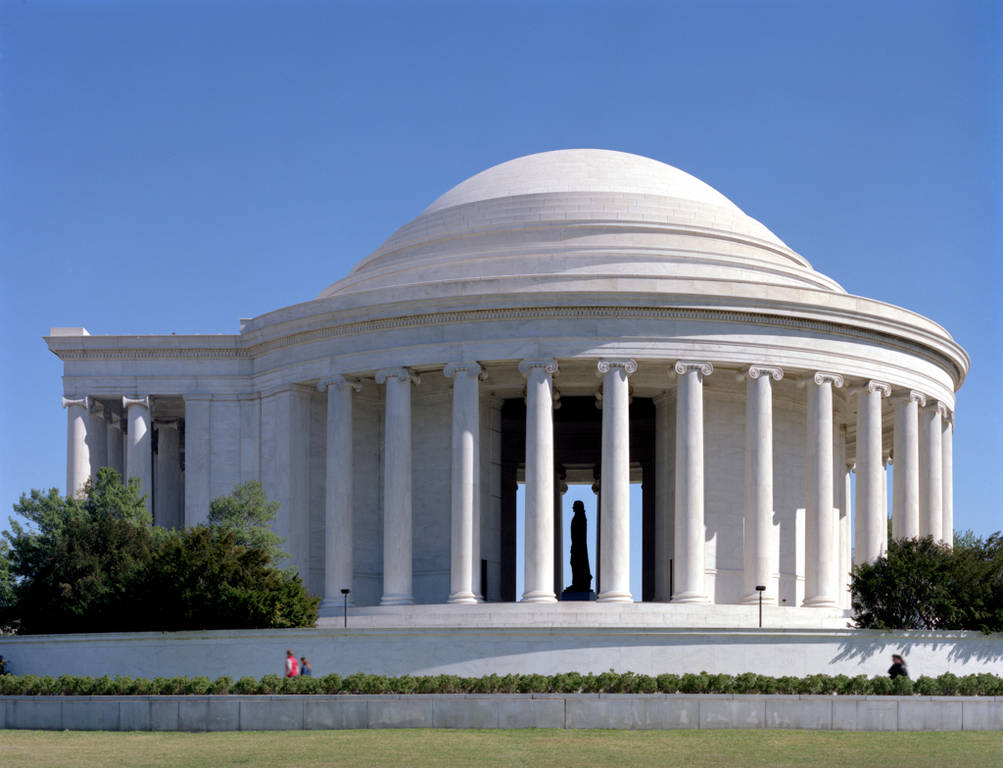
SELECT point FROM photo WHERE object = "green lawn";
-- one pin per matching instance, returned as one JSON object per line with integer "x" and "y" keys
{"x": 733, "y": 749}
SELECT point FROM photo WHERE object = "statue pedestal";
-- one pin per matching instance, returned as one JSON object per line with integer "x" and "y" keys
{"x": 568, "y": 594}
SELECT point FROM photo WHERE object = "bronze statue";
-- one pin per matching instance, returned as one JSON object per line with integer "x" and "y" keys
{"x": 581, "y": 575}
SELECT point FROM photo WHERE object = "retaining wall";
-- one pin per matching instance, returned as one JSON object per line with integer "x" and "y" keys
{"x": 619, "y": 711}
{"x": 474, "y": 652}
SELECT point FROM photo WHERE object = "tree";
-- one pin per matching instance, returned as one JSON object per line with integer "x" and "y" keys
{"x": 248, "y": 513}
{"x": 75, "y": 571}
{"x": 204, "y": 578}
{"x": 922, "y": 584}
{"x": 97, "y": 564}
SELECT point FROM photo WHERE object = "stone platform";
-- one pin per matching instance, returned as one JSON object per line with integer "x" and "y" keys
{"x": 584, "y": 614}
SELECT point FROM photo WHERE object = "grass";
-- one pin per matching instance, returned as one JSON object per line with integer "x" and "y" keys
{"x": 699, "y": 749}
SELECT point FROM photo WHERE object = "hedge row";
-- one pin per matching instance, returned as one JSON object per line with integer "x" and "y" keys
{"x": 572, "y": 682}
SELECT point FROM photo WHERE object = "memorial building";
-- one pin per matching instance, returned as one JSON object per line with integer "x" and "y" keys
{"x": 571, "y": 317}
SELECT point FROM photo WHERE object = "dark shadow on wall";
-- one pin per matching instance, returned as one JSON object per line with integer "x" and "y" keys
{"x": 964, "y": 646}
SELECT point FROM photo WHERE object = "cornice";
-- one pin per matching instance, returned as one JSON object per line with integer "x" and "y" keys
{"x": 90, "y": 348}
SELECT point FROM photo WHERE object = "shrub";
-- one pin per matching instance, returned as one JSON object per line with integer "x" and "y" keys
{"x": 948, "y": 684}
{"x": 331, "y": 684}
{"x": 246, "y": 686}
{"x": 221, "y": 686}
{"x": 668, "y": 683}
{"x": 197, "y": 686}
{"x": 270, "y": 684}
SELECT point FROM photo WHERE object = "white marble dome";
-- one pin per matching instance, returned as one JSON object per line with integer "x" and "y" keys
{"x": 573, "y": 220}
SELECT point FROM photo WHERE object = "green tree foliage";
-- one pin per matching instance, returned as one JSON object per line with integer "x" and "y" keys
{"x": 248, "y": 513}
{"x": 203, "y": 578}
{"x": 73, "y": 573}
{"x": 921, "y": 584}
{"x": 96, "y": 564}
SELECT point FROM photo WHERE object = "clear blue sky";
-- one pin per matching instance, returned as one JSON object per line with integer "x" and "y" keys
{"x": 176, "y": 166}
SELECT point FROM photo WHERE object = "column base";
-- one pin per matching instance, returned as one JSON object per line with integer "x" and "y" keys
{"x": 690, "y": 597}
{"x": 538, "y": 597}
{"x": 397, "y": 600}
{"x": 820, "y": 602}
{"x": 463, "y": 598}
{"x": 615, "y": 597}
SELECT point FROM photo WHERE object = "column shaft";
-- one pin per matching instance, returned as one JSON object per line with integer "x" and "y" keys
{"x": 539, "y": 526}
{"x": 78, "y": 460}
{"x": 820, "y": 569}
{"x": 690, "y": 577}
{"x": 947, "y": 479}
{"x": 931, "y": 467}
{"x": 615, "y": 481}
{"x": 871, "y": 528}
{"x": 339, "y": 538}
{"x": 397, "y": 511}
{"x": 139, "y": 455}
{"x": 465, "y": 485}
{"x": 759, "y": 559}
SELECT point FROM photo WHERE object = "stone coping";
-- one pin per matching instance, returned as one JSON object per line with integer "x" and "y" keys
{"x": 563, "y": 711}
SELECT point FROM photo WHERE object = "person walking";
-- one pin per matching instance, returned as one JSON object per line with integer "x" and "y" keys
{"x": 305, "y": 669}
{"x": 292, "y": 666}
{"x": 898, "y": 667}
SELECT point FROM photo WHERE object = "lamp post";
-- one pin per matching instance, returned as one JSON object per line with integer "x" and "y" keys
{"x": 760, "y": 589}
{"x": 346, "y": 591}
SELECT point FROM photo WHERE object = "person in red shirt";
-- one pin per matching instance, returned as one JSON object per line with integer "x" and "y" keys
{"x": 292, "y": 665}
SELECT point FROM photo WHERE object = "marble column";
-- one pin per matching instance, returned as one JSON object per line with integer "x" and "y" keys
{"x": 947, "y": 477}
{"x": 690, "y": 573}
{"x": 339, "y": 538}
{"x": 167, "y": 478}
{"x": 78, "y": 458}
{"x": 870, "y": 525}
{"x": 759, "y": 559}
{"x": 465, "y": 507}
{"x": 931, "y": 468}
{"x": 905, "y": 485}
{"x": 397, "y": 511}
{"x": 539, "y": 525}
{"x": 820, "y": 569}
{"x": 197, "y": 458}
{"x": 665, "y": 457}
{"x": 97, "y": 438}
{"x": 113, "y": 442}
{"x": 139, "y": 456}
{"x": 615, "y": 481}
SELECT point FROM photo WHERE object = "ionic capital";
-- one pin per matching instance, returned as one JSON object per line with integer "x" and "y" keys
{"x": 82, "y": 402}
{"x": 910, "y": 396}
{"x": 684, "y": 366}
{"x": 941, "y": 408}
{"x": 549, "y": 365}
{"x": 605, "y": 366}
{"x": 873, "y": 386}
{"x": 821, "y": 377}
{"x": 471, "y": 368}
{"x": 143, "y": 401}
{"x": 770, "y": 371}
{"x": 170, "y": 424}
{"x": 97, "y": 409}
{"x": 338, "y": 383}
{"x": 401, "y": 374}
